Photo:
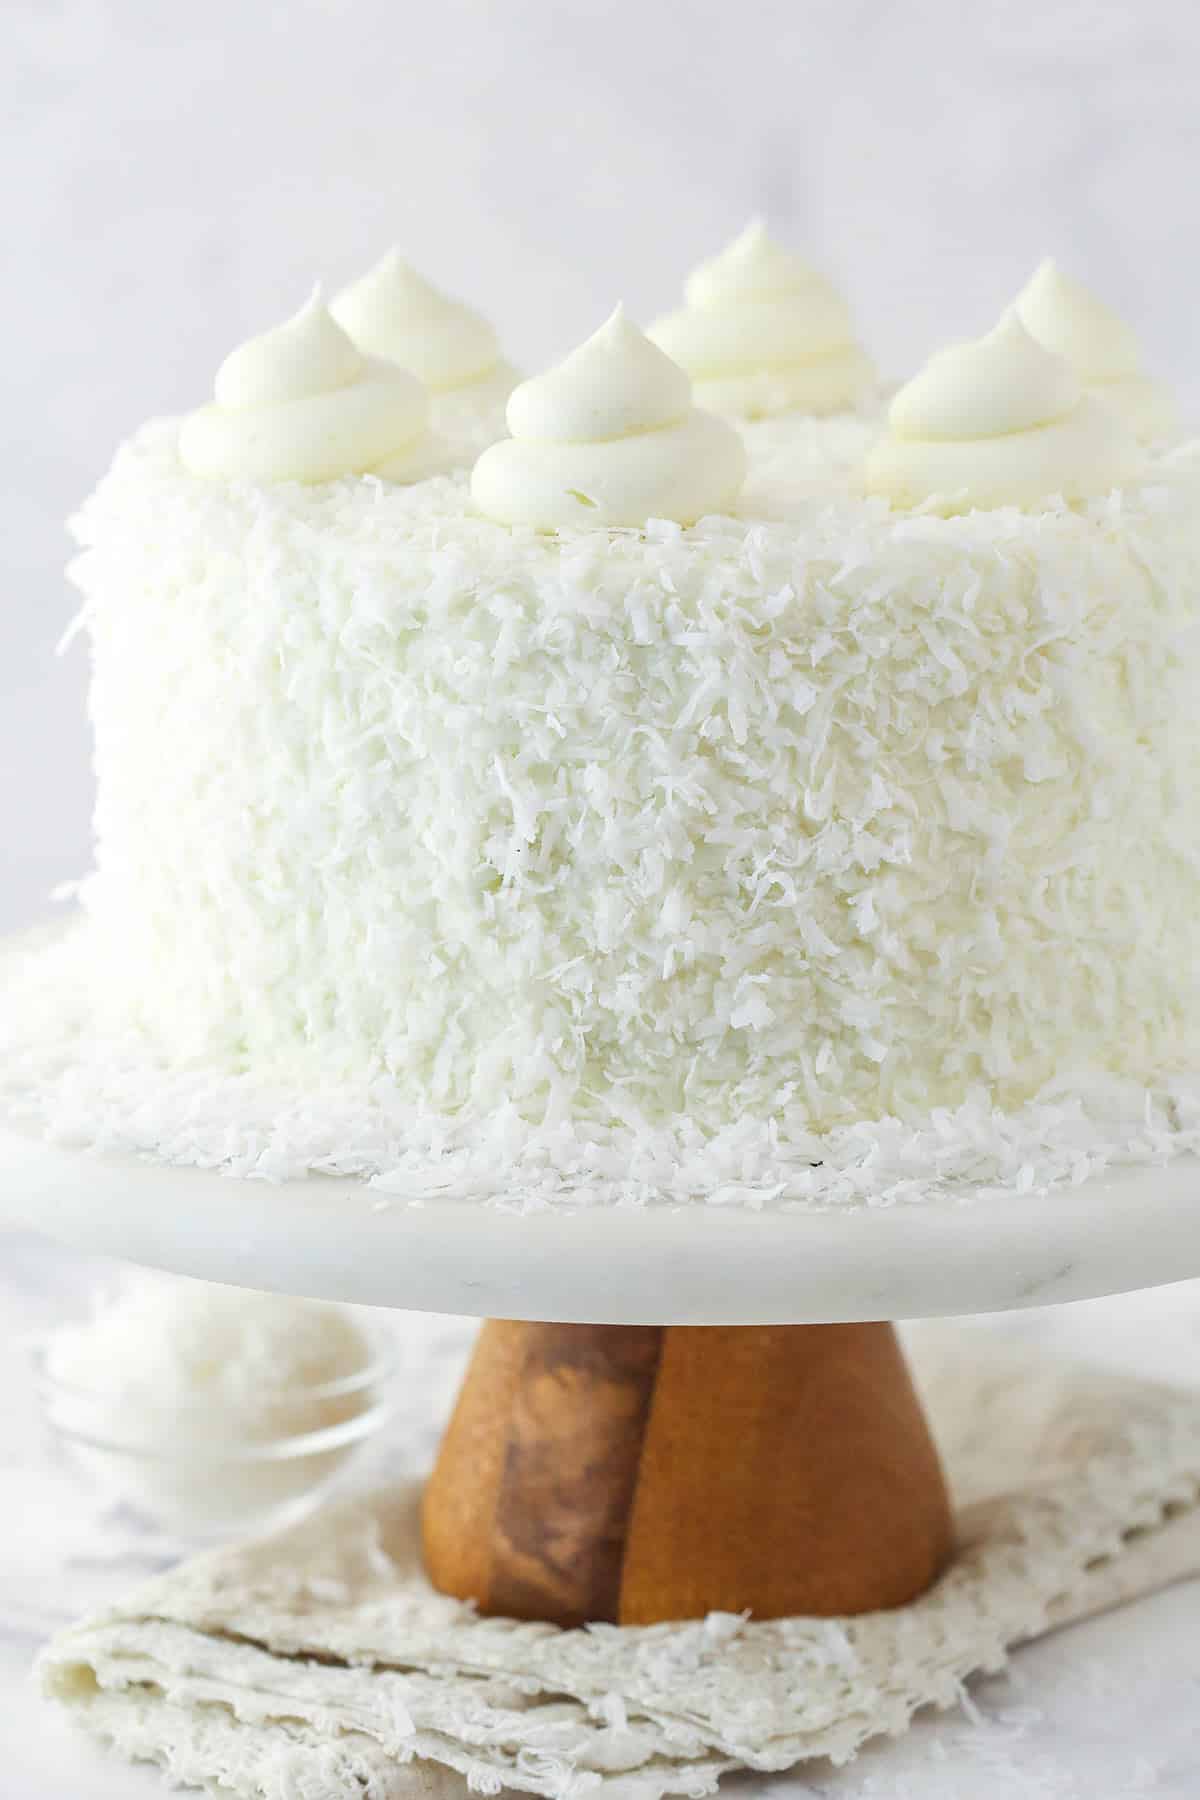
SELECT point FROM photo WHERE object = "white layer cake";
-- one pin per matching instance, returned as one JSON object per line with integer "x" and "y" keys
{"x": 751, "y": 828}
{"x": 492, "y": 835}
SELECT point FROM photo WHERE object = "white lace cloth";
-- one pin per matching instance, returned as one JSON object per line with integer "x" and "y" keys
{"x": 319, "y": 1664}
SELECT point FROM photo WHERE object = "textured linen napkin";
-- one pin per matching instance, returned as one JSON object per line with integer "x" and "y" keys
{"x": 319, "y": 1663}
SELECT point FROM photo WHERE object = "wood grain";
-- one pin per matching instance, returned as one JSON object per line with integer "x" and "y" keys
{"x": 459, "y": 1508}
{"x": 785, "y": 1470}
{"x": 529, "y": 1505}
{"x": 640, "y": 1473}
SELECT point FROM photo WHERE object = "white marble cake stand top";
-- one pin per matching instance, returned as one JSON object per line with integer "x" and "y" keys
{"x": 691, "y": 1265}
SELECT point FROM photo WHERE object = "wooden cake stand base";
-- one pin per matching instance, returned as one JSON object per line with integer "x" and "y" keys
{"x": 635, "y": 1473}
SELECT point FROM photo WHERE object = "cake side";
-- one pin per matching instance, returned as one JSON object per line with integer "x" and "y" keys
{"x": 801, "y": 824}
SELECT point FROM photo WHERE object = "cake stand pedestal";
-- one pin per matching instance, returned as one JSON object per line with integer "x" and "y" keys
{"x": 713, "y": 1420}
{"x": 639, "y": 1472}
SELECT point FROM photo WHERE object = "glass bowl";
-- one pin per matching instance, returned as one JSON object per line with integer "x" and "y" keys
{"x": 181, "y": 1475}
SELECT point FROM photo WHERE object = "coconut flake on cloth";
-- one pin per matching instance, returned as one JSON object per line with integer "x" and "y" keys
{"x": 320, "y": 1664}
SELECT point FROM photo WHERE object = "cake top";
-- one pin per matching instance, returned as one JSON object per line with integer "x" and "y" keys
{"x": 609, "y": 436}
{"x": 757, "y": 309}
{"x": 393, "y": 312}
{"x": 1101, "y": 348}
{"x": 998, "y": 422}
{"x": 301, "y": 403}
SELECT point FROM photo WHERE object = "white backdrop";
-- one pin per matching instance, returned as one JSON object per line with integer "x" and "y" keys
{"x": 177, "y": 175}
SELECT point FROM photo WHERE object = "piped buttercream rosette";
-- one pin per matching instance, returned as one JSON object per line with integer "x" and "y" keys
{"x": 762, "y": 334}
{"x": 301, "y": 403}
{"x": 394, "y": 313}
{"x": 1102, "y": 349}
{"x": 609, "y": 437}
{"x": 999, "y": 422}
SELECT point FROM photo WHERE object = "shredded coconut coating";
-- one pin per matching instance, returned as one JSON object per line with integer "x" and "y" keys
{"x": 795, "y": 457}
{"x": 635, "y": 864}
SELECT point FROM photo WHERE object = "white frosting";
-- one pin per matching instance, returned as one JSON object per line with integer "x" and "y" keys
{"x": 998, "y": 422}
{"x": 1099, "y": 345}
{"x": 609, "y": 436}
{"x": 300, "y": 403}
{"x": 762, "y": 333}
{"x": 395, "y": 313}
{"x": 626, "y": 863}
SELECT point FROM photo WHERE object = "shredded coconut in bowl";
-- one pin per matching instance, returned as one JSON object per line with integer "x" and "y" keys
{"x": 166, "y": 1361}
{"x": 209, "y": 1408}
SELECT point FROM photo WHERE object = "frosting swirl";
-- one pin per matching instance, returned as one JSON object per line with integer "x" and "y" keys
{"x": 394, "y": 313}
{"x": 1101, "y": 348}
{"x": 300, "y": 403}
{"x": 762, "y": 333}
{"x": 998, "y": 422}
{"x": 609, "y": 436}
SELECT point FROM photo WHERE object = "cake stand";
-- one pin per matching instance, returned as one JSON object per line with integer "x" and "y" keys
{"x": 672, "y": 1410}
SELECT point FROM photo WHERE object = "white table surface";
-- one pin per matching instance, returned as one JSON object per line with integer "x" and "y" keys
{"x": 1101, "y": 1711}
